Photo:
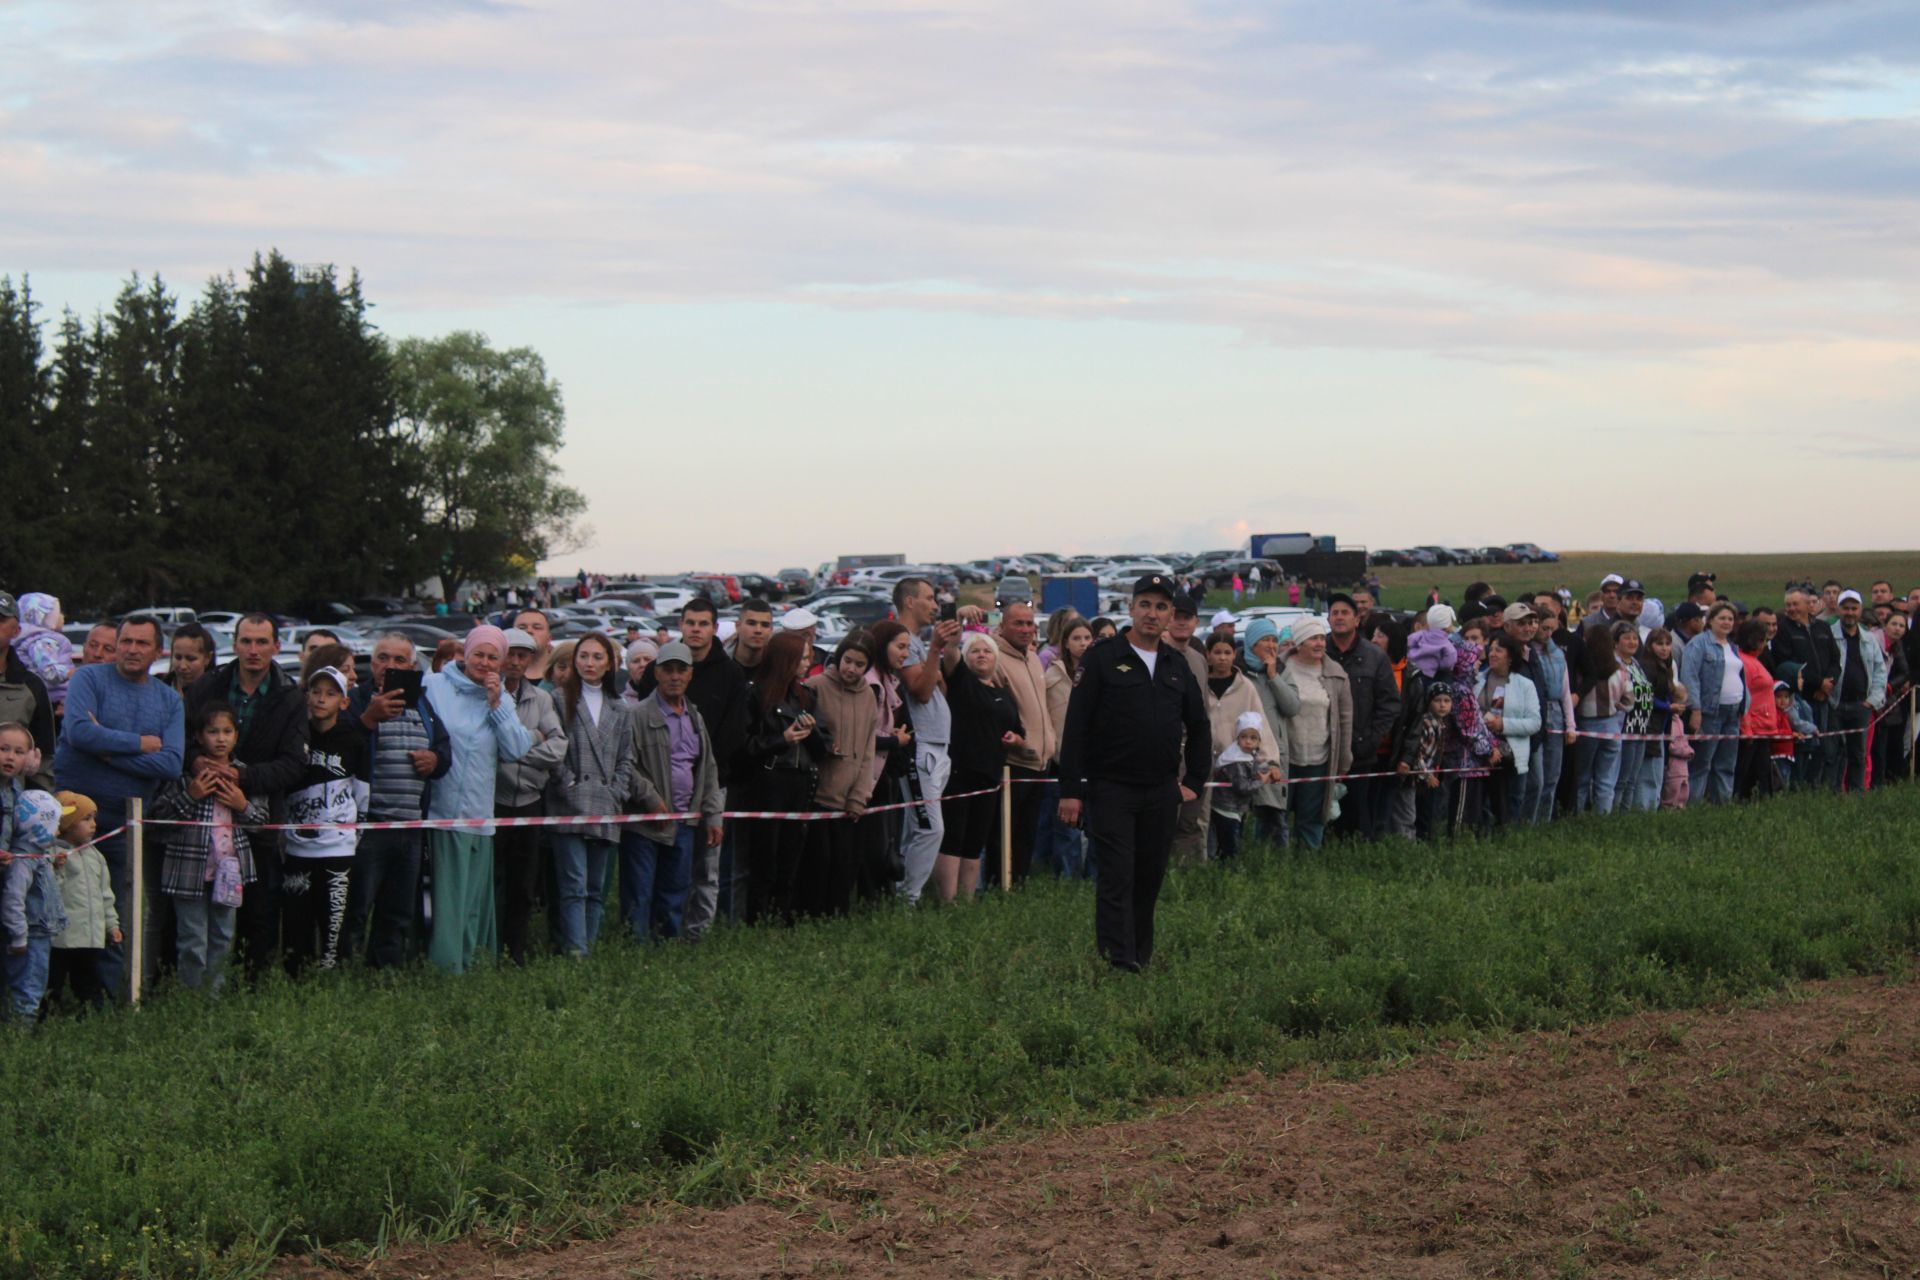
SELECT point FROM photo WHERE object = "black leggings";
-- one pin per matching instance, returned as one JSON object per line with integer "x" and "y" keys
{"x": 973, "y": 822}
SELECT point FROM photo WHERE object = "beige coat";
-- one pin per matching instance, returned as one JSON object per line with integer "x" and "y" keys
{"x": 1059, "y": 693}
{"x": 851, "y": 717}
{"x": 1333, "y": 678}
{"x": 1026, "y": 680}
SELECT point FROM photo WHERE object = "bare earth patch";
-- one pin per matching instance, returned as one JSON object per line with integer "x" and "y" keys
{"x": 1774, "y": 1142}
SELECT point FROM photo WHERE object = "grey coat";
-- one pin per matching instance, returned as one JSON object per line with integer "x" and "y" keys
{"x": 652, "y": 786}
{"x": 597, "y": 771}
{"x": 518, "y": 783}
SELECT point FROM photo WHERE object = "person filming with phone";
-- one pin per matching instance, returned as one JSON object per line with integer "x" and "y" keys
{"x": 409, "y": 748}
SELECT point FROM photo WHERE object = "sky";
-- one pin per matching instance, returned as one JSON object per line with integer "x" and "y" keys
{"x": 955, "y": 278}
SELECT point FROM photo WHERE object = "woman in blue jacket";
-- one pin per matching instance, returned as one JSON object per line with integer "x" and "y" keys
{"x": 1710, "y": 669}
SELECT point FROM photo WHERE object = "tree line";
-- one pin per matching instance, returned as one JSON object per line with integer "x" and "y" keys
{"x": 267, "y": 447}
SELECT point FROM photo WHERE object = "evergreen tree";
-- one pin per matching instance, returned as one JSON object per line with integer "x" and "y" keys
{"x": 27, "y": 544}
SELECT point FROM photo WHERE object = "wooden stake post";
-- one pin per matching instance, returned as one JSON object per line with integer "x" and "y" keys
{"x": 1913, "y": 702}
{"x": 136, "y": 947}
{"x": 1006, "y": 827}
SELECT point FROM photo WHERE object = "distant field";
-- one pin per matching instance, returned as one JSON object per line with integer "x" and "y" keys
{"x": 1751, "y": 579}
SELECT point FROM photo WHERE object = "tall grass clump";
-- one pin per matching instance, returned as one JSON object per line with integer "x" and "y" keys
{"x": 197, "y": 1137}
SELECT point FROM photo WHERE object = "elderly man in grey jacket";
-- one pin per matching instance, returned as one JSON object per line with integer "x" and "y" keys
{"x": 518, "y": 792}
{"x": 674, "y": 771}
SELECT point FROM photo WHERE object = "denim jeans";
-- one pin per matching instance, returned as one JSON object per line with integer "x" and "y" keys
{"x": 1626, "y": 783}
{"x": 1652, "y": 776}
{"x": 386, "y": 885}
{"x": 1307, "y": 802}
{"x": 1710, "y": 772}
{"x": 655, "y": 880}
{"x": 1847, "y": 755}
{"x": 27, "y": 976}
{"x": 580, "y": 874}
{"x": 1063, "y": 846}
{"x": 1545, "y": 775}
{"x": 1598, "y": 763}
{"x": 206, "y": 936}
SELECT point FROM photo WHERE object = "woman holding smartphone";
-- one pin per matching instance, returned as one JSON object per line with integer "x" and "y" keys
{"x": 778, "y": 772}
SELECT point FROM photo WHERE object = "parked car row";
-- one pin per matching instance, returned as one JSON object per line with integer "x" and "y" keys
{"x": 1433, "y": 555}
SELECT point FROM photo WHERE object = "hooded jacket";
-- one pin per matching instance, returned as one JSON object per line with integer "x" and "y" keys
{"x": 1026, "y": 680}
{"x": 483, "y": 736}
{"x": 852, "y": 719}
{"x": 46, "y": 652}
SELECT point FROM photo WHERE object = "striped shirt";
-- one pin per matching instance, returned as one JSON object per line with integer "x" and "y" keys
{"x": 397, "y": 789}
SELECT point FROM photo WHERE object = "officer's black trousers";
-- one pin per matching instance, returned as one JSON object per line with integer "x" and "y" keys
{"x": 1131, "y": 832}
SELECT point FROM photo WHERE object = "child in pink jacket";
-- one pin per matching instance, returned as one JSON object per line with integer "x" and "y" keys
{"x": 1674, "y": 791}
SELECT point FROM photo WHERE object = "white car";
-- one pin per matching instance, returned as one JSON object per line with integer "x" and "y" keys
{"x": 1282, "y": 616}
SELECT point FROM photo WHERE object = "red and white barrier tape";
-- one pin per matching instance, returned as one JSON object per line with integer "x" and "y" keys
{"x": 1878, "y": 716}
{"x": 56, "y": 854}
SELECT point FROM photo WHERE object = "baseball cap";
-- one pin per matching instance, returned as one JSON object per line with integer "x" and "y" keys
{"x": 1699, "y": 580}
{"x": 1687, "y": 612}
{"x": 331, "y": 673}
{"x": 674, "y": 651}
{"x": 518, "y": 639}
{"x": 1182, "y": 603}
{"x": 1611, "y": 580}
{"x": 1850, "y": 594}
{"x": 8, "y": 609}
{"x": 1632, "y": 587}
{"x": 1223, "y": 619}
{"x": 1161, "y": 584}
{"x": 1518, "y": 611}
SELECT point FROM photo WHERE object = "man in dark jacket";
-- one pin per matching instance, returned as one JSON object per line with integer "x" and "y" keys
{"x": 408, "y": 748}
{"x": 1806, "y": 657}
{"x": 1121, "y": 751}
{"x": 1376, "y": 706}
{"x": 719, "y": 691}
{"x": 270, "y": 759}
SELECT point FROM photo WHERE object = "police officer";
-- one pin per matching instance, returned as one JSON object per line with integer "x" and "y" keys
{"x": 1121, "y": 753}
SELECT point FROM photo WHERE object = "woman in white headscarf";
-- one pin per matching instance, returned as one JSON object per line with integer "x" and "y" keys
{"x": 1320, "y": 734}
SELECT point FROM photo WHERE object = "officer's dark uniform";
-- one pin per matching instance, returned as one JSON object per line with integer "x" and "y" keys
{"x": 1120, "y": 753}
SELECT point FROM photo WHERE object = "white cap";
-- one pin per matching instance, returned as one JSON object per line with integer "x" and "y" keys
{"x": 1222, "y": 619}
{"x": 1441, "y": 618}
{"x": 1850, "y": 594}
{"x": 797, "y": 620}
{"x": 1612, "y": 580}
{"x": 518, "y": 639}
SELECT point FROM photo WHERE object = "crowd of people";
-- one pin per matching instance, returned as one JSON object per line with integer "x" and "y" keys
{"x": 315, "y": 820}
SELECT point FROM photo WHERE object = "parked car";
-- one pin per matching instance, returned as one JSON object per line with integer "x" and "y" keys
{"x": 1422, "y": 556}
{"x": 1220, "y": 574}
{"x": 1013, "y": 589}
{"x": 1389, "y": 557}
{"x": 1468, "y": 555}
{"x": 794, "y": 581}
{"x": 1499, "y": 555}
{"x": 1531, "y": 553}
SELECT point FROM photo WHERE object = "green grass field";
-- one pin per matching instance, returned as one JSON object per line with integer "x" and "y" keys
{"x": 193, "y": 1138}
{"x": 1753, "y": 579}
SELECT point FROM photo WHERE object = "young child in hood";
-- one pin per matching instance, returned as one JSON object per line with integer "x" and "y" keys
{"x": 42, "y": 649}
{"x": 31, "y": 911}
{"x": 1423, "y": 752}
{"x": 1796, "y": 725}
{"x": 86, "y": 890}
{"x": 1676, "y": 788}
{"x": 1245, "y": 771}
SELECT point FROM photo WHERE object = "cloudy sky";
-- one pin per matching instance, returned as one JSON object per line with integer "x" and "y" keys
{"x": 954, "y": 277}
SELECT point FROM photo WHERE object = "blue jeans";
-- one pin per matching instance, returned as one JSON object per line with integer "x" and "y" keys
{"x": 205, "y": 931}
{"x": 580, "y": 877}
{"x": 386, "y": 885}
{"x": 27, "y": 975}
{"x": 1547, "y": 761}
{"x": 1307, "y": 802}
{"x": 1065, "y": 847}
{"x": 1710, "y": 772}
{"x": 654, "y": 882}
{"x": 1598, "y": 763}
{"x": 1626, "y": 783}
{"x": 1650, "y": 779}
